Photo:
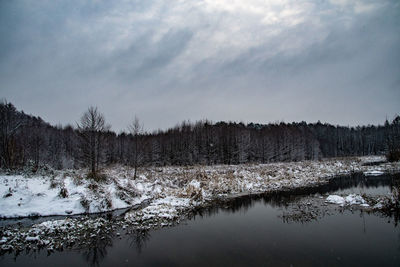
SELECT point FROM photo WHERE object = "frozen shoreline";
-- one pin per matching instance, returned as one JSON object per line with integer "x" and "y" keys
{"x": 167, "y": 189}
{"x": 163, "y": 197}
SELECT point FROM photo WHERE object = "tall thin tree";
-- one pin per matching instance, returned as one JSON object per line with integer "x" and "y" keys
{"x": 91, "y": 128}
{"x": 136, "y": 130}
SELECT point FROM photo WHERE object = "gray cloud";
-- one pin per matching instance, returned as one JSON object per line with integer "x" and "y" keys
{"x": 335, "y": 61}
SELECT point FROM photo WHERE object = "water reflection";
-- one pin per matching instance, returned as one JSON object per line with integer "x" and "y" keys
{"x": 314, "y": 209}
{"x": 95, "y": 250}
{"x": 138, "y": 238}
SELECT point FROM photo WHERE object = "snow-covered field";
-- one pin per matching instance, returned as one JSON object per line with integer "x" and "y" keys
{"x": 166, "y": 190}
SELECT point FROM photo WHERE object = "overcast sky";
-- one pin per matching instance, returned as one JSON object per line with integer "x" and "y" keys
{"x": 167, "y": 61}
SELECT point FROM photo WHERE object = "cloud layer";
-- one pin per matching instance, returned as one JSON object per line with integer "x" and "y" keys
{"x": 167, "y": 61}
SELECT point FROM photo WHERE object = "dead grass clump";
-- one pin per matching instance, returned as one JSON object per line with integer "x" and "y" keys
{"x": 93, "y": 186}
{"x": 54, "y": 183}
{"x": 268, "y": 172}
{"x": 63, "y": 192}
{"x": 85, "y": 203}
{"x": 202, "y": 175}
{"x": 107, "y": 201}
{"x": 77, "y": 180}
{"x": 230, "y": 175}
{"x": 97, "y": 176}
{"x": 193, "y": 193}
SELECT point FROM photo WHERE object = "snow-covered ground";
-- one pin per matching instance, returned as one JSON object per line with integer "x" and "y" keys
{"x": 62, "y": 195}
{"x": 166, "y": 190}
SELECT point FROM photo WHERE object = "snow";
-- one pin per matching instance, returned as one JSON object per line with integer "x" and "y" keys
{"x": 165, "y": 191}
{"x": 32, "y": 196}
{"x": 373, "y": 173}
{"x": 195, "y": 184}
{"x": 378, "y": 206}
{"x": 370, "y": 159}
{"x": 32, "y": 238}
{"x": 335, "y": 199}
{"x": 351, "y": 199}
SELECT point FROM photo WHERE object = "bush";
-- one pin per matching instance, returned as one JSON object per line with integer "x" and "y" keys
{"x": 93, "y": 186}
{"x": 53, "y": 183}
{"x": 85, "y": 203}
{"x": 63, "y": 192}
{"x": 107, "y": 201}
{"x": 77, "y": 179}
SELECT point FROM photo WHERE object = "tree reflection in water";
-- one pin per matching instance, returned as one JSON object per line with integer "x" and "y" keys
{"x": 138, "y": 239}
{"x": 95, "y": 249}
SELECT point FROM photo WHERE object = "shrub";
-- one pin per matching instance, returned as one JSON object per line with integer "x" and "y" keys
{"x": 93, "y": 186}
{"x": 85, "y": 203}
{"x": 53, "y": 183}
{"x": 107, "y": 202}
{"x": 77, "y": 180}
{"x": 63, "y": 192}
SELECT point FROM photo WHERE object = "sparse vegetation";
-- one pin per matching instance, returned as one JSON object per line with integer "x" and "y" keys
{"x": 96, "y": 176}
{"x": 107, "y": 201}
{"x": 85, "y": 203}
{"x": 54, "y": 183}
{"x": 63, "y": 192}
{"x": 9, "y": 193}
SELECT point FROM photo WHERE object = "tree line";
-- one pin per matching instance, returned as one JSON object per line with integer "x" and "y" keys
{"x": 26, "y": 140}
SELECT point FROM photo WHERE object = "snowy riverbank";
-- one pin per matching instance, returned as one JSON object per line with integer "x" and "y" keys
{"x": 166, "y": 190}
{"x": 160, "y": 197}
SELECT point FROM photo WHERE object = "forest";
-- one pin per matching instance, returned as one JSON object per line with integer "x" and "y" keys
{"x": 28, "y": 141}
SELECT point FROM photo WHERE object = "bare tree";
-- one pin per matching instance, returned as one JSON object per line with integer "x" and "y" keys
{"x": 91, "y": 129}
{"x": 136, "y": 129}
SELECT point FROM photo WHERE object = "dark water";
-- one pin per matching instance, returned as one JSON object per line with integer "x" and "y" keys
{"x": 249, "y": 232}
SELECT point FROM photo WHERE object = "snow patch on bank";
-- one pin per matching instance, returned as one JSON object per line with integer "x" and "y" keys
{"x": 351, "y": 199}
{"x": 373, "y": 173}
{"x": 43, "y": 196}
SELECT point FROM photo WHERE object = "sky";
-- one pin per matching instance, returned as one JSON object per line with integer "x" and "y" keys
{"x": 261, "y": 61}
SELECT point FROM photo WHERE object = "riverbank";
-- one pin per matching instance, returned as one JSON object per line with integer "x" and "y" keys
{"x": 159, "y": 197}
{"x": 165, "y": 190}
